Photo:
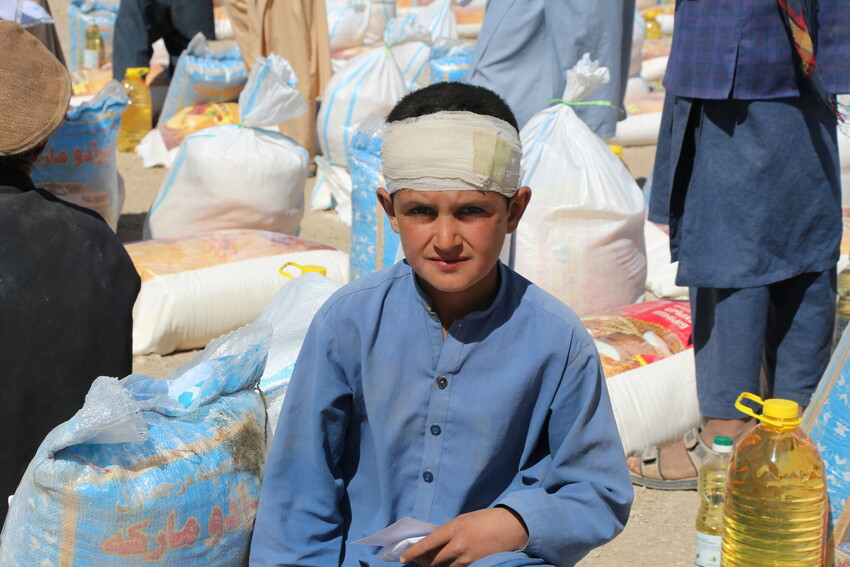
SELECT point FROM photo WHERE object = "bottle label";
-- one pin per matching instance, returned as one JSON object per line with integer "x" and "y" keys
{"x": 707, "y": 550}
{"x": 91, "y": 58}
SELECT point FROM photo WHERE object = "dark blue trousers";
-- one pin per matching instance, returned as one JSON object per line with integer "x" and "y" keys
{"x": 785, "y": 327}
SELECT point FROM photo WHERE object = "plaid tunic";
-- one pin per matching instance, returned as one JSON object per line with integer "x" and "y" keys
{"x": 740, "y": 49}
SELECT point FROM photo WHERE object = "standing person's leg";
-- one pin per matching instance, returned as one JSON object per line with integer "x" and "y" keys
{"x": 185, "y": 19}
{"x": 799, "y": 334}
{"x": 729, "y": 340}
{"x": 133, "y": 36}
{"x": 46, "y": 34}
{"x": 729, "y": 327}
{"x": 297, "y": 30}
{"x": 243, "y": 17}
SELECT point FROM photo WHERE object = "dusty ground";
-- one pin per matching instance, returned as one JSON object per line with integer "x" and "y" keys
{"x": 660, "y": 529}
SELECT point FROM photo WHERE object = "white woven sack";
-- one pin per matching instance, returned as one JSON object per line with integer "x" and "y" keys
{"x": 638, "y": 130}
{"x": 370, "y": 83}
{"x": 438, "y": 18}
{"x": 289, "y": 313}
{"x": 656, "y": 403}
{"x": 380, "y": 14}
{"x": 332, "y": 189}
{"x": 186, "y": 310}
{"x": 581, "y": 238}
{"x": 348, "y": 21}
{"x": 660, "y": 269}
{"x": 239, "y": 176}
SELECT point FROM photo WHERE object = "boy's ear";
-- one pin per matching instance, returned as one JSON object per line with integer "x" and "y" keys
{"x": 387, "y": 204}
{"x": 517, "y": 206}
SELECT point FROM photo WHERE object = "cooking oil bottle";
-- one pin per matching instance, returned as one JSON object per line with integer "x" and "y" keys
{"x": 92, "y": 47}
{"x": 775, "y": 510}
{"x": 138, "y": 116}
{"x": 712, "y": 488}
{"x": 652, "y": 27}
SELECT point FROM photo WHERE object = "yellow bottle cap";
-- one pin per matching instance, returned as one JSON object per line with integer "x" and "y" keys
{"x": 136, "y": 72}
{"x": 775, "y": 411}
{"x": 780, "y": 409}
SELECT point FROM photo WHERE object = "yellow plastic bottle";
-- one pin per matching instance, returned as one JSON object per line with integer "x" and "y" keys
{"x": 712, "y": 489}
{"x": 652, "y": 27}
{"x": 775, "y": 512}
{"x": 138, "y": 116}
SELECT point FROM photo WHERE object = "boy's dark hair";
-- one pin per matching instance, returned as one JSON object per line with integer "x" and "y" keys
{"x": 452, "y": 97}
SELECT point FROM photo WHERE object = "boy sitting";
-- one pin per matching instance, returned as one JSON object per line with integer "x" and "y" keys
{"x": 446, "y": 388}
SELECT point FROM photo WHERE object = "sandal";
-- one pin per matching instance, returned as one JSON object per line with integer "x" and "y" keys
{"x": 650, "y": 470}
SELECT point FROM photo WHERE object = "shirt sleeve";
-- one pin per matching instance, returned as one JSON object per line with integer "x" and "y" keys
{"x": 580, "y": 495}
{"x": 299, "y": 521}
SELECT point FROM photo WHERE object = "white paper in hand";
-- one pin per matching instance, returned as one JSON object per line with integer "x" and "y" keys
{"x": 397, "y": 537}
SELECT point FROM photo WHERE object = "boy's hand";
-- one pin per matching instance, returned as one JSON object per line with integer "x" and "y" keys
{"x": 468, "y": 538}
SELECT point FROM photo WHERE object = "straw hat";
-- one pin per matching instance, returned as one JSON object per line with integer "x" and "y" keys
{"x": 35, "y": 89}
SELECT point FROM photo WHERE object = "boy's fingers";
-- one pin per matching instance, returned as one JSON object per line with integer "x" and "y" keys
{"x": 429, "y": 544}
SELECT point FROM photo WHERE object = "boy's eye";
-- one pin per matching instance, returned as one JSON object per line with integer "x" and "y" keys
{"x": 418, "y": 211}
{"x": 471, "y": 210}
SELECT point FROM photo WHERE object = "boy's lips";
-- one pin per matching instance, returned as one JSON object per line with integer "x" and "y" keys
{"x": 448, "y": 261}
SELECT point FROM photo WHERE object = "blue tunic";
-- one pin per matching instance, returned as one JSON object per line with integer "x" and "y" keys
{"x": 526, "y": 47}
{"x": 746, "y": 171}
{"x": 386, "y": 419}
{"x": 740, "y": 49}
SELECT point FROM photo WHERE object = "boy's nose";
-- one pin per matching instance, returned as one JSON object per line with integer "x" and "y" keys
{"x": 447, "y": 236}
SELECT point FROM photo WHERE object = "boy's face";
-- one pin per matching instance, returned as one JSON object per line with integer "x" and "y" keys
{"x": 452, "y": 239}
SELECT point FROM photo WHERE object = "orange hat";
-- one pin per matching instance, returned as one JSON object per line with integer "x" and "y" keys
{"x": 35, "y": 90}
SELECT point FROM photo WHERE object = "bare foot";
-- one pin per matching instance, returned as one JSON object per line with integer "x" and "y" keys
{"x": 673, "y": 459}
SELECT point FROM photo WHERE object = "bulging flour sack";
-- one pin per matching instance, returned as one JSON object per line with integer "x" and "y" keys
{"x": 239, "y": 175}
{"x": 151, "y": 471}
{"x": 195, "y": 288}
{"x": 79, "y": 164}
{"x": 369, "y": 83}
{"x": 581, "y": 238}
{"x": 204, "y": 74}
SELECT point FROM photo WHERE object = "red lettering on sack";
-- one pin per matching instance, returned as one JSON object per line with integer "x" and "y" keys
{"x": 133, "y": 543}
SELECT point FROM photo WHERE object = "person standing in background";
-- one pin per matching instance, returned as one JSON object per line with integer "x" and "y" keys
{"x": 526, "y": 47}
{"x": 297, "y": 30}
{"x": 67, "y": 285}
{"x": 140, "y": 23}
{"x": 46, "y": 34}
{"x": 747, "y": 178}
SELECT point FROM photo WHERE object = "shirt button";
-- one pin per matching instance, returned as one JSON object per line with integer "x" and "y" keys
{"x": 428, "y": 476}
{"x": 435, "y": 430}
{"x": 442, "y": 382}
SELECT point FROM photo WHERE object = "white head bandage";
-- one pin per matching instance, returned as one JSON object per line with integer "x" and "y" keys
{"x": 451, "y": 151}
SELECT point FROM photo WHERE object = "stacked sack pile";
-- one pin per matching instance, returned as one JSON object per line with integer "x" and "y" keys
{"x": 372, "y": 72}
{"x": 226, "y": 220}
{"x": 151, "y": 470}
{"x": 583, "y": 239}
